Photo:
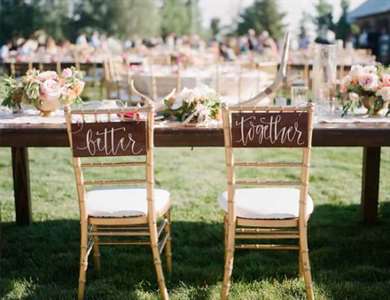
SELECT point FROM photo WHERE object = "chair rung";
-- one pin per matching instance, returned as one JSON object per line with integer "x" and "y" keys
{"x": 103, "y": 228}
{"x": 114, "y": 181}
{"x": 271, "y": 183}
{"x": 292, "y": 223}
{"x": 268, "y": 164}
{"x": 113, "y": 164}
{"x": 124, "y": 243}
{"x": 265, "y": 230}
{"x": 267, "y": 247}
{"x": 162, "y": 243}
{"x": 120, "y": 233}
{"x": 271, "y": 236}
{"x": 161, "y": 227}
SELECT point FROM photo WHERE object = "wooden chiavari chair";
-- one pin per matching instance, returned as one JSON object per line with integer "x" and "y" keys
{"x": 118, "y": 216}
{"x": 269, "y": 210}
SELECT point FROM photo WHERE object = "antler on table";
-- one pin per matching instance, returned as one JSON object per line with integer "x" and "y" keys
{"x": 158, "y": 105}
{"x": 282, "y": 73}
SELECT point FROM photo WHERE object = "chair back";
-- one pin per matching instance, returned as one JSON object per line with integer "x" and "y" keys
{"x": 98, "y": 137}
{"x": 268, "y": 127}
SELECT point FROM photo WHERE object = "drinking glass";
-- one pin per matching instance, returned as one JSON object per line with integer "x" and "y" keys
{"x": 324, "y": 78}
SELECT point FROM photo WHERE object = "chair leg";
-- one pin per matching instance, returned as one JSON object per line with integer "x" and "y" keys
{"x": 168, "y": 246}
{"x": 157, "y": 261}
{"x": 229, "y": 257}
{"x": 300, "y": 264}
{"x": 96, "y": 252}
{"x": 83, "y": 260}
{"x": 225, "y": 228}
{"x": 304, "y": 253}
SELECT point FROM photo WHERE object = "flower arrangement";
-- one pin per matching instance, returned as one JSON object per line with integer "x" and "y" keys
{"x": 197, "y": 105}
{"x": 45, "y": 90}
{"x": 366, "y": 86}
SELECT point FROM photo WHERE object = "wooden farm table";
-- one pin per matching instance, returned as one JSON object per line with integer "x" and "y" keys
{"x": 369, "y": 136}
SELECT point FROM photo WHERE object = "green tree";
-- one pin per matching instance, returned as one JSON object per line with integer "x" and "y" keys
{"x": 215, "y": 26}
{"x": 262, "y": 15}
{"x": 53, "y": 16}
{"x": 16, "y": 18}
{"x": 123, "y": 18}
{"x": 194, "y": 17}
{"x": 343, "y": 27}
{"x": 324, "y": 16}
{"x": 174, "y": 17}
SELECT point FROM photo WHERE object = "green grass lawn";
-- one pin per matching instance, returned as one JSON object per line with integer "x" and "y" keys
{"x": 349, "y": 260}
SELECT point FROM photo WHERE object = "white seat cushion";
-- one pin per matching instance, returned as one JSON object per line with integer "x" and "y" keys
{"x": 267, "y": 203}
{"x": 124, "y": 202}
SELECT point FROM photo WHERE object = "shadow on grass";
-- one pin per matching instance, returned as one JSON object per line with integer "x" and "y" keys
{"x": 349, "y": 260}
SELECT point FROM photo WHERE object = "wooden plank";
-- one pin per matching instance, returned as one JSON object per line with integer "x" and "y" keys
{"x": 270, "y": 129}
{"x": 324, "y": 135}
{"x": 109, "y": 139}
{"x": 21, "y": 177}
{"x": 370, "y": 184}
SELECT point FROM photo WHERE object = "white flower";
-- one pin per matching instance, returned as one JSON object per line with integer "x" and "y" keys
{"x": 356, "y": 72}
{"x": 47, "y": 75}
{"x": 370, "y": 69}
{"x": 353, "y": 97}
{"x": 384, "y": 93}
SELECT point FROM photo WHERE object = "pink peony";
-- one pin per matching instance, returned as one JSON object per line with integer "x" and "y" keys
{"x": 66, "y": 73}
{"x": 384, "y": 93}
{"x": 50, "y": 90}
{"x": 47, "y": 75}
{"x": 369, "y": 82}
{"x": 386, "y": 79}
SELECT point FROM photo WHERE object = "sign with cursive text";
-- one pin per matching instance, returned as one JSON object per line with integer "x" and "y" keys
{"x": 109, "y": 139}
{"x": 273, "y": 129}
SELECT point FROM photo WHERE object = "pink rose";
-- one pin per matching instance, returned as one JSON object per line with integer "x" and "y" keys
{"x": 345, "y": 82}
{"x": 384, "y": 93}
{"x": 369, "y": 82}
{"x": 47, "y": 75}
{"x": 50, "y": 90}
{"x": 386, "y": 79}
{"x": 66, "y": 73}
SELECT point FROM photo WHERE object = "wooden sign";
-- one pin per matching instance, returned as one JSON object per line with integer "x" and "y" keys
{"x": 109, "y": 138}
{"x": 262, "y": 129}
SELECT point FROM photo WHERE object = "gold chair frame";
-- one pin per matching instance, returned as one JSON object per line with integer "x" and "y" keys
{"x": 138, "y": 227}
{"x": 237, "y": 228}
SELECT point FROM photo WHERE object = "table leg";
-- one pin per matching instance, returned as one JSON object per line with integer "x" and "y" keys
{"x": 22, "y": 194}
{"x": 370, "y": 184}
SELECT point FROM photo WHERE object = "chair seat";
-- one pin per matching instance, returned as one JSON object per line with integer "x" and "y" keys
{"x": 267, "y": 203}
{"x": 124, "y": 202}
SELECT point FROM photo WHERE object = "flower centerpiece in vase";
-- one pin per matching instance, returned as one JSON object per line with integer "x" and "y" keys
{"x": 193, "y": 106}
{"x": 47, "y": 91}
{"x": 368, "y": 87}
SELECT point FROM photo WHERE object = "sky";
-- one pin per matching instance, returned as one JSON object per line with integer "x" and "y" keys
{"x": 227, "y": 10}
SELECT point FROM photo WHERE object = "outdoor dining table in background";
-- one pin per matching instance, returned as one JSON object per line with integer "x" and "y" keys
{"x": 370, "y": 136}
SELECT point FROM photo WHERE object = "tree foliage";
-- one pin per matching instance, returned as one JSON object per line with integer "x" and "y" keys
{"x": 343, "y": 26}
{"x": 66, "y": 18}
{"x": 262, "y": 15}
{"x": 324, "y": 16}
{"x": 181, "y": 17}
